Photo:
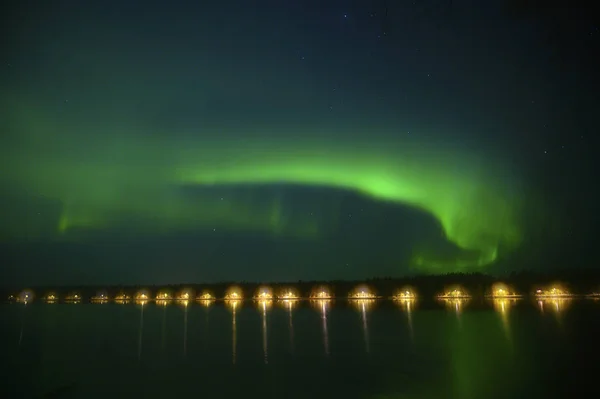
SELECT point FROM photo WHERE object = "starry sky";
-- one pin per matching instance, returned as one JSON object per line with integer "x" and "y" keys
{"x": 165, "y": 142}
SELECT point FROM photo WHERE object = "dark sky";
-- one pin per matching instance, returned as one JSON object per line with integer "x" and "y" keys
{"x": 162, "y": 142}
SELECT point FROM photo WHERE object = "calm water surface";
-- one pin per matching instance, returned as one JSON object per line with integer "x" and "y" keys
{"x": 335, "y": 349}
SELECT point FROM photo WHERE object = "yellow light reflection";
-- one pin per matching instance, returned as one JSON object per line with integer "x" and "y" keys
{"x": 323, "y": 306}
{"x": 455, "y": 304}
{"x": 363, "y": 305}
{"x": 503, "y": 306}
{"x": 185, "y": 304}
{"x": 141, "y": 302}
{"x": 162, "y": 302}
{"x": 408, "y": 305}
{"x": 206, "y": 302}
{"x": 265, "y": 304}
{"x": 233, "y": 304}
{"x": 555, "y": 305}
{"x": 289, "y": 305}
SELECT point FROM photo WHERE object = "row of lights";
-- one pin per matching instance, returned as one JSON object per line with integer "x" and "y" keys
{"x": 234, "y": 293}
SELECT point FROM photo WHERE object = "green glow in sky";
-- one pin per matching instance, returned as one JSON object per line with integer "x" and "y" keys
{"x": 105, "y": 180}
{"x": 474, "y": 212}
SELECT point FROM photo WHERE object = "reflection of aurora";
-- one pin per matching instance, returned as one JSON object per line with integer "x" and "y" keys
{"x": 162, "y": 186}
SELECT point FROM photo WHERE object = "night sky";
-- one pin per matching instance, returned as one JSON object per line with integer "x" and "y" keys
{"x": 166, "y": 142}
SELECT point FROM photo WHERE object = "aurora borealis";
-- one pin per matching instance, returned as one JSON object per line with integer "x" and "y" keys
{"x": 191, "y": 124}
{"x": 97, "y": 191}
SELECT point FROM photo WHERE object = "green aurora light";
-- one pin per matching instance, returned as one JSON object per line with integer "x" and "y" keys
{"x": 129, "y": 177}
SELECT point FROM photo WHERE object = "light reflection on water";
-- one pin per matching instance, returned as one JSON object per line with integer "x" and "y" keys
{"x": 408, "y": 306}
{"x": 466, "y": 357}
{"x": 265, "y": 304}
{"x": 233, "y": 305}
{"x": 503, "y": 306}
{"x": 323, "y": 306}
{"x": 289, "y": 306}
{"x": 456, "y": 305}
{"x": 141, "y": 304}
{"x": 363, "y": 305}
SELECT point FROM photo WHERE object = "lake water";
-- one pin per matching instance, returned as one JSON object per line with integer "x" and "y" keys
{"x": 335, "y": 349}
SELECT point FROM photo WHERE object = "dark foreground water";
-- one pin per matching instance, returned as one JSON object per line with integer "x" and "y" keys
{"x": 381, "y": 349}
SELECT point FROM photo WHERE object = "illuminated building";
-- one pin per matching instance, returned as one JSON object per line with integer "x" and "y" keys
{"x": 100, "y": 298}
{"x": 142, "y": 296}
{"x": 163, "y": 296}
{"x": 552, "y": 292}
{"x": 73, "y": 298}
{"x": 456, "y": 293}
{"x": 405, "y": 294}
{"x": 205, "y": 297}
{"x": 362, "y": 293}
{"x": 25, "y": 297}
{"x": 288, "y": 295}
{"x": 502, "y": 291}
{"x": 321, "y": 293}
{"x": 122, "y": 298}
{"x": 51, "y": 298}
{"x": 264, "y": 293}
{"x": 184, "y": 296}
{"x": 233, "y": 294}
